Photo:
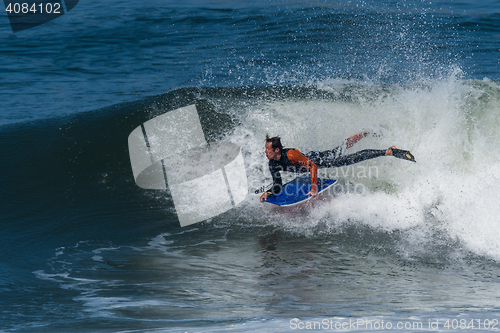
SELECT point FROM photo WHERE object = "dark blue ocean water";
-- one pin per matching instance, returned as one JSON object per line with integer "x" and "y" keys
{"x": 84, "y": 249}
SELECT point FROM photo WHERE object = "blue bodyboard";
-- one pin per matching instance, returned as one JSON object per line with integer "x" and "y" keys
{"x": 294, "y": 192}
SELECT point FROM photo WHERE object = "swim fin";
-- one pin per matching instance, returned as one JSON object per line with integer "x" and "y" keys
{"x": 403, "y": 154}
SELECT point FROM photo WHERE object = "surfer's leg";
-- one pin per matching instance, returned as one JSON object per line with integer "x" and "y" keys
{"x": 321, "y": 158}
{"x": 348, "y": 143}
{"x": 336, "y": 157}
{"x": 367, "y": 154}
{"x": 357, "y": 157}
{"x": 328, "y": 159}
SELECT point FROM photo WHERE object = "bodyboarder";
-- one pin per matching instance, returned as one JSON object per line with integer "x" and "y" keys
{"x": 292, "y": 160}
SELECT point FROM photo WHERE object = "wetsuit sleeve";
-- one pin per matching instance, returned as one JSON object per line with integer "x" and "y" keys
{"x": 297, "y": 158}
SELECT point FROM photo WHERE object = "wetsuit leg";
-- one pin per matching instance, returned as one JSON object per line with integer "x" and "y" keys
{"x": 330, "y": 158}
{"x": 339, "y": 150}
{"x": 359, "y": 156}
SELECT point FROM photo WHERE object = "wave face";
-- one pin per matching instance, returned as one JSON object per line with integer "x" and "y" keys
{"x": 97, "y": 246}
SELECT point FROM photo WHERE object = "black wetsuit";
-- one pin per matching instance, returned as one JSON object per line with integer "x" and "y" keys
{"x": 321, "y": 159}
{"x": 291, "y": 160}
{"x": 335, "y": 158}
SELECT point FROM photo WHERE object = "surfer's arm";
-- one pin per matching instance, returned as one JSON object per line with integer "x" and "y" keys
{"x": 297, "y": 158}
{"x": 274, "y": 190}
{"x": 277, "y": 184}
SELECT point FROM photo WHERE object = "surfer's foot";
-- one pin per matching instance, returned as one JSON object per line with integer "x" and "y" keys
{"x": 350, "y": 141}
{"x": 399, "y": 153}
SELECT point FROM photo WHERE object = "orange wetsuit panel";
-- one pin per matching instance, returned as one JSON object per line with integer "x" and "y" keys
{"x": 297, "y": 158}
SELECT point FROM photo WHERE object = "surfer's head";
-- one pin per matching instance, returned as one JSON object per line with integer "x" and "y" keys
{"x": 273, "y": 147}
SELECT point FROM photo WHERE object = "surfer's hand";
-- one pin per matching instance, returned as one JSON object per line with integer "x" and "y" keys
{"x": 263, "y": 197}
{"x": 313, "y": 193}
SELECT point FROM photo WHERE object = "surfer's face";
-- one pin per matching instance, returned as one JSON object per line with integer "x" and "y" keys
{"x": 272, "y": 153}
